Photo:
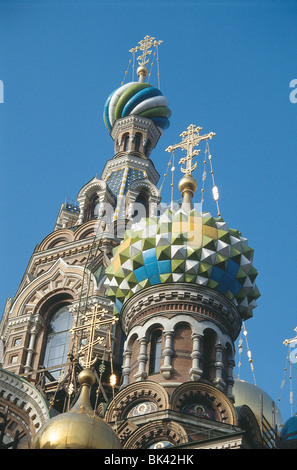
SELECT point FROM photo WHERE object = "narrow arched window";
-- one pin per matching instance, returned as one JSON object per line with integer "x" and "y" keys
{"x": 156, "y": 352}
{"x": 137, "y": 141}
{"x": 126, "y": 142}
{"x": 95, "y": 208}
{"x": 143, "y": 200}
{"x": 57, "y": 341}
{"x": 208, "y": 355}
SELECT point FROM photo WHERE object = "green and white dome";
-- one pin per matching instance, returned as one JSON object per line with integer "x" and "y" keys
{"x": 184, "y": 246}
{"x": 141, "y": 99}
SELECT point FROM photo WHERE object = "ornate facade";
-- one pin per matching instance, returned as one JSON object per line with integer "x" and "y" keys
{"x": 180, "y": 306}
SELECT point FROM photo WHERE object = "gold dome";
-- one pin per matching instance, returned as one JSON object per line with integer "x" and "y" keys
{"x": 248, "y": 394}
{"x": 79, "y": 428}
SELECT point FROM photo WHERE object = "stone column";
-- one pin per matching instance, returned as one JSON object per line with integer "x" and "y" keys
{"x": 81, "y": 214}
{"x": 142, "y": 360}
{"x": 166, "y": 368}
{"x": 219, "y": 367}
{"x": 126, "y": 367}
{"x": 196, "y": 371}
{"x": 230, "y": 377}
{"x": 30, "y": 350}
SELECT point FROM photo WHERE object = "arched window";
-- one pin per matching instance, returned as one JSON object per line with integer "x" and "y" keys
{"x": 137, "y": 141}
{"x": 95, "y": 208}
{"x": 156, "y": 352}
{"x": 143, "y": 200}
{"x": 57, "y": 340}
{"x": 208, "y": 355}
{"x": 126, "y": 142}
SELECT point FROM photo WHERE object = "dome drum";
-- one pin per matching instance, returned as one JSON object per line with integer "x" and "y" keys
{"x": 130, "y": 126}
{"x": 185, "y": 299}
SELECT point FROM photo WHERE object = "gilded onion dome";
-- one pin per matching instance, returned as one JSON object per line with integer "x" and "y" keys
{"x": 248, "y": 394}
{"x": 79, "y": 428}
{"x": 184, "y": 246}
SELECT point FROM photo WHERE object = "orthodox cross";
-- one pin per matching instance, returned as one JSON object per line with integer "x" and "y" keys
{"x": 292, "y": 340}
{"x": 92, "y": 321}
{"x": 190, "y": 139}
{"x": 144, "y": 46}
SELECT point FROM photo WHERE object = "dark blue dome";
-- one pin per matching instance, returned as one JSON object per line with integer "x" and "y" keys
{"x": 289, "y": 431}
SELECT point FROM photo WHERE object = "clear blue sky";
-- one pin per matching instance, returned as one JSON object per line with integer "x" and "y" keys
{"x": 225, "y": 66}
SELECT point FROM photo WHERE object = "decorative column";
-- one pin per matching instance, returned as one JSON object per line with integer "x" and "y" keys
{"x": 81, "y": 213}
{"x": 219, "y": 367}
{"x": 230, "y": 379}
{"x": 166, "y": 368}
{"x": 126, "y": 367}
{"x": 196, "y": 371}
{"x": 142, "y": 360}
{"x": 30, "y": 350}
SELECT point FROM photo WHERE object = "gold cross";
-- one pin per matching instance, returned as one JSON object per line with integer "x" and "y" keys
{"x": 91, "y": 322}
{"x": 289, "y": 341}
{"x": 145, "y": 45}
{"x": 190, "y": 139}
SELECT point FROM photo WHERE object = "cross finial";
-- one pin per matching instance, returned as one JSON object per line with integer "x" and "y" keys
{"x": 144, "y": 46}
{"x": 190, "y": 139}
{"x": 92, "y": 322}
{"x": 292, "y": 340}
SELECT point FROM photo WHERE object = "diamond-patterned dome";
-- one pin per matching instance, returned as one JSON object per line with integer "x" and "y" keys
{"x": 182, "y": 246}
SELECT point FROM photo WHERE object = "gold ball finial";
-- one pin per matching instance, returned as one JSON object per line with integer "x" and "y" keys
{"x": 86, "y": 376}
{"x": 187, "y": 187}
{"x": 187, "y": 183}
{"x": 142, "y": 72}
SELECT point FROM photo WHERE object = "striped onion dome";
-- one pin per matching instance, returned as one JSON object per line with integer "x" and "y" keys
{"x": 184, "y": 246}
{"x": 137, "y": 98}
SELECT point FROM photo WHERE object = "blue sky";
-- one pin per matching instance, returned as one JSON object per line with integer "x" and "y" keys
{"x": 225, "y": 66}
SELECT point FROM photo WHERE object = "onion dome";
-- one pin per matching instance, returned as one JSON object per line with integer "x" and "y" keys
{"x": 184, "y": 246}
{"x": 137, "y": 98}
{"x": 250, "y": 395}
{"x": 289, "y": 431}
{"x": 79, "y": 428}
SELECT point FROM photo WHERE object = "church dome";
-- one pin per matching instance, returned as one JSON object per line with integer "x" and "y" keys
{"x": 289, "y": 431}
{"x": 137, "y": 98}
{"x": 249, "y": 394}
{"x": 79, "y": 428}
{"x": 184, "y": 246}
